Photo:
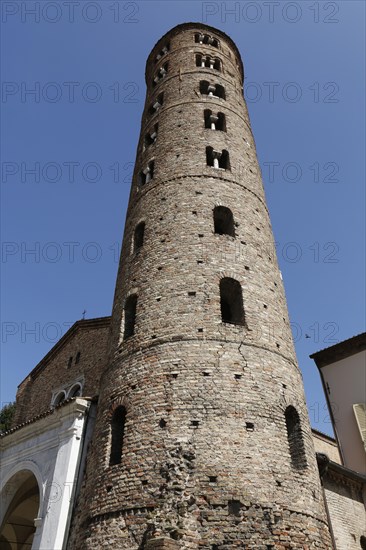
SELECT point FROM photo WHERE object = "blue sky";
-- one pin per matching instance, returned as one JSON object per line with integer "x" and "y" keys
{"x": 304, "y": 82}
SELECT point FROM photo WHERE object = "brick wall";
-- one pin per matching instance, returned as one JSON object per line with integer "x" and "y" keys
{"x": 347, "y": 511}
{"x": 55, "y": 374}
{"x": 206, "y": 460}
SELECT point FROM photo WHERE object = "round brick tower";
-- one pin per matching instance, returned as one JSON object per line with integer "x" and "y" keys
{"x": 202, "y": 437}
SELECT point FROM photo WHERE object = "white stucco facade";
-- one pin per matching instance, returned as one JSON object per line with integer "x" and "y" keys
{"x": 345, "y": 385}
{"x": 51, "y": 449}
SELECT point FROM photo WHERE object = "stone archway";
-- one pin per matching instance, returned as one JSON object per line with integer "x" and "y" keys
{"x": 17, "y": 529}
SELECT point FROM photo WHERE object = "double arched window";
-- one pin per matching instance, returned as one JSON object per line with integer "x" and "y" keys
{"x": 212, "y": 90}
{"x": 215, "y": 121}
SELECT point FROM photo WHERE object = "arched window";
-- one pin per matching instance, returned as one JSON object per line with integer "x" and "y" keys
{"x": 151, "y": 136}
{"x": 231, "y": 302}
{"x": 130, "y": 316}
{"x": 60, "y": 397}
{"x": 294, "y": 438}
{"x": 163, "y": 52}
{"x": 162, "y": 72}
{"x": 217, "y": 159}
{"x": 117, "y": 434}
{"x": 223, "y": 221}
{"x": 157, "y": 104}
{"x": 147, "y": 173}
{"x": 75, "y": 391}
{"x": 363, "y": 542}
{"x": 208, "y": 62}
{"x": 215, "y": 121}
{"x": 212, "y": 90}
{"x": 77, "y": 358}
{"x": 216, "y": 64}
{"x": 201, "y": 38}
{"x": 138, "y": 237}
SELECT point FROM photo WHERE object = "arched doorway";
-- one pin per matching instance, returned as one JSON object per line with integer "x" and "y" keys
{"x": 17, "y": 529}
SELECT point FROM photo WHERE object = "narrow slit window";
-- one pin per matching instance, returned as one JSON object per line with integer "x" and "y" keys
{"x": 147, "y": 174}
{"x": 130, "y": 316}
{"x": 294, "y": 438}
{"x": 77, "y": 358}
{"x": 118, "y": 423}
{"x": 223, "y": 221}
{"x": 156, "y": 105}
{"x": 138, "y": 237}
{"x": 231, "y": 302}
{"x": 217, "y": 159}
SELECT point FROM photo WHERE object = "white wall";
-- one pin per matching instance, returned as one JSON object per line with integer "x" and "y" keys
{"x": 345, "y": 383}
{"x": 51, "y": 448}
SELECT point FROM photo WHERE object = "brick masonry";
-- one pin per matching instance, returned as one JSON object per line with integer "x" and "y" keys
{"x": 346, "y": 504}
{"x": 54, "y": 375}
{"x": 206, "y": 462}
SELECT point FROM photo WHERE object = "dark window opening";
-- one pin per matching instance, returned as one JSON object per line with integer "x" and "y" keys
{"x": 363, "y": 542}
{"x": 231, "y": 301}
{"x": 217, "y": 159}
{"x": 151, "y": 136}
{"x": 201, "y": 38}
{"x": 205, "y": 61}
{"x": 69, "y": 362}
{"x": 162, "y": 72}
{"x": 157, "y": 104}
{"x": 223, "y": 221}
{"x": 234, "y": 507}
{"x": 215, "y": 121}
{"x": 130, "y": 316}
{"x": 77, "y": 358}
{"x": 295, "y": 439}
{"x": 117, "y": 435}
{"x": 212, "y": 90}
{"x": 147, "y": 174}
{"x": 138, "y": 238}
{"x": 163, "y": 52}
{"x": 59, "y": 398}
{"x": 75, "y": 391}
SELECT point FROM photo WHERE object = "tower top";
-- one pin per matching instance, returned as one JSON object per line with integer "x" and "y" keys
{"x": 197, "y": 26}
